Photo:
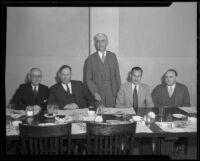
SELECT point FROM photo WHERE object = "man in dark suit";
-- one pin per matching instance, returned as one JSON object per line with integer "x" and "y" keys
{"x": 172, "y": 94}
{"x": 69, "y": 94}
{"x": 32, "y": 93}
{"x": 102, "y": 73}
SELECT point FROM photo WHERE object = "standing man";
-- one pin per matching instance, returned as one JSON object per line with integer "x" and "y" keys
{"x": 134, "y": 94}
{"x": 69, "y": 94}
{"x": 102, "y": 73}
{"x": 172, "y": 93}
{"x": 32, "y": 93}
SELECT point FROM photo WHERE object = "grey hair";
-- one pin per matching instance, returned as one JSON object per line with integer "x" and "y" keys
{"x": 100, "y": 34}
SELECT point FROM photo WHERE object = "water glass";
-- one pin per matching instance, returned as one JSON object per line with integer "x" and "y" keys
{"x": 100, "y": 110}
{"x": 50, "y": 109}
{"x": 161, "y": 113}
{"x": 29, "y": 111}
{"x": 56, "y": 109}
{"x": 11, "y": 107}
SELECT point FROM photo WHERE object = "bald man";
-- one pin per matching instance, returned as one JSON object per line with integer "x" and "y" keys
{"x": 32, "y": 93}
{"x": 102, "y": 73}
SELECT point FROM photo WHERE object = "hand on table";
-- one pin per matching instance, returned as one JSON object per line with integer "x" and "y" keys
{"x": 97, "y": 96}
{"x": 71, "y": 106}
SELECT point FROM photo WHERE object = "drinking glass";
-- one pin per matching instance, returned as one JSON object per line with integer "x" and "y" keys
{"x": 11, "y": 107}
{"x": 29, "y": 111}
{"x": 50, "y": 109}
{"x": 55, "y": 109}
{"x": 100, "y": 110}
{"x": 161, "y": 113}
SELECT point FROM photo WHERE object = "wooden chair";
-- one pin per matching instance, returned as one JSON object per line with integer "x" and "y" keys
{"x": 45, "y": 140}
{"x": 108, "y": 139}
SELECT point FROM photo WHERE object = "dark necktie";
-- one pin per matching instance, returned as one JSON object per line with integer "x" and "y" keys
{"x": 135, "y": 99}
{"x": 35, "y": 91}
{"x": 68, "y": 92}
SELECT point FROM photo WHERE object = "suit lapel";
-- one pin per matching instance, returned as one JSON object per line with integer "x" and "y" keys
{"x": 72, "y": 86}
{"x": 130, "y": 92}
{"x": 31, "y": 90}
{"x": 99, "y": 63}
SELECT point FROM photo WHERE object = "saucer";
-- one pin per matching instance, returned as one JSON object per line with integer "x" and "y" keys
{"x": 46, "y": 115}
{"x": 179, "y": 116}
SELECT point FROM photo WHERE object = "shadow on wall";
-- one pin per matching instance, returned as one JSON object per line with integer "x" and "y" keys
{"x": 57, "y": 79}
{"x": 84, "y": 70}
{"x": 129, "y": 77}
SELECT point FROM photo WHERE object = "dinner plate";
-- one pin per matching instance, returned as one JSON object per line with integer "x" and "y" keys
{"x": 46, "y": 115}
{"x": 137, "y": 118}
{"x": 118, "y": 114}
{"x": 179, "y": 116}
{"x": 16, "y": 116}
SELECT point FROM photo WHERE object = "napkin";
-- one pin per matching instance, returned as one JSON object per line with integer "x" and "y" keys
{"x": 70, "y": 112}
{"x": 167, "y": 127}
{"x": 118, "y": 110}
{"x": 78, "y": 128}
{"x": 142, "y": 128}
{"x": 189, "y": 109}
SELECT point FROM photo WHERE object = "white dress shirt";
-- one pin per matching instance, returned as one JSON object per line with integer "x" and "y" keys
{"x": 133, "y": 87}
{"x": 34, "y": 87}
{"x": 173, "y": 87}
{"x": 101, "y": 54}
{"x": 69, "y": 85}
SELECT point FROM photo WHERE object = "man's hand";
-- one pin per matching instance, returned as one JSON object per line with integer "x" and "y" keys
{"x": 71, "y": 106}
{"x": 36, "y": 109}
{"x": 97, "y": 97}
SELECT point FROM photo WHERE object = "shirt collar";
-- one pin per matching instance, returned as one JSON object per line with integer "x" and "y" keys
{"x": 133, "y": 86}
{"x": 65, "y": 86}
{"x": 101, "y": 53}
{"x": 34, "y": 87}
{"x": 173, "y": 86}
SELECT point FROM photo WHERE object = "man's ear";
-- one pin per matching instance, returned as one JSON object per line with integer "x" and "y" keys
{"x": 29, "y": 76}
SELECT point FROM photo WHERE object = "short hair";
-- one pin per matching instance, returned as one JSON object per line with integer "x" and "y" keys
{"x": 172, "y": 70}
{"x": 100, "y": 34}
{"x": 136, "y": 68}
{"x": 32, "y": 69}
{"x": 63, "y": 67}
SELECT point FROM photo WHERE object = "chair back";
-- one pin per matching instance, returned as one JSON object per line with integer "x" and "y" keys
{"x": 53, "y": 139}
{"x": 108, "y": 139}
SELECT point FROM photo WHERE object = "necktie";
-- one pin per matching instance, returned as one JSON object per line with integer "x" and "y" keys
{"x": 68, "y": 90}
{"x": 103, "y": 57}
{"x": 170, "y": 91}
{"x": 35, "y": 91}
{"x": 135, "y": 99}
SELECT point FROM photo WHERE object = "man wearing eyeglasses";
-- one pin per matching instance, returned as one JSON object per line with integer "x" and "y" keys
{"x": 32, "y": 93}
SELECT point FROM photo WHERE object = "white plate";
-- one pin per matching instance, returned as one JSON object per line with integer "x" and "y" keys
{"x": 46, "y": 115}
{"x": 16, "y": 116}
{"x": 137, "y": 118}
{"x": 178, "y": 116}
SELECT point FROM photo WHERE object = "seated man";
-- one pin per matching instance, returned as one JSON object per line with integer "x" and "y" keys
{"x": 32, "y": 93}
{"x": 134, "y": 94}
{"x": 69, "y": 94}
{"x": 172, "y": 93}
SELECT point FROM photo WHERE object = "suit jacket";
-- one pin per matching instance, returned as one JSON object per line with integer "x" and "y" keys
{"x": 24, "y": 96}
{"x": 80, "y": 95}
{"x": 94, "y": 74}
{"x": 181, "y": 95}
{"x": 125, "y": 96}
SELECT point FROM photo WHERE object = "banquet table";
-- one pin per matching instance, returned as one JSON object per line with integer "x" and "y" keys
{"x": 154, "y": 130}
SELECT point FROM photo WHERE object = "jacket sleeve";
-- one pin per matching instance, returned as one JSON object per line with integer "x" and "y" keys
{"x": 149, "y": 102}
{"x": 17, "y": 99}
{"x": 155, "y": 97}
{"x": 89, "y": 77}
{"x": 120, "y": 100}
{"x": 117, "y": 72}
{"x": 186, "y": 98}
{"x": 88, "y": 96}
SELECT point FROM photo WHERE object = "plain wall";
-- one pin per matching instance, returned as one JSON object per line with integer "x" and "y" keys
{"x": 155, "y": 38}
{"x": 45, "y": 37}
